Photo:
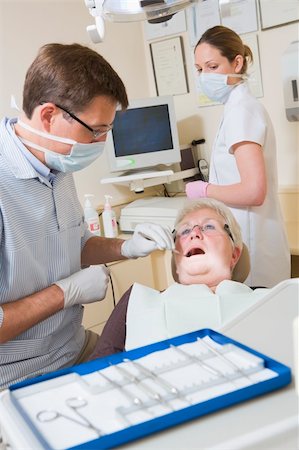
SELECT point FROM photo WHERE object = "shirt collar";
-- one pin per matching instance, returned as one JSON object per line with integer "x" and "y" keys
{"x": 35, "y": 163}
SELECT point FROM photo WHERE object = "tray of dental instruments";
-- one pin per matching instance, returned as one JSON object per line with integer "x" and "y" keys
{"x": 123, "y": 397}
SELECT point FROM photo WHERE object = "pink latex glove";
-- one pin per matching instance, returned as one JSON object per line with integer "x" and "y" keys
{"x": 196, "y": 189}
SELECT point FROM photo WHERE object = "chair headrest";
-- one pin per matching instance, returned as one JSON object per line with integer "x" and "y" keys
{"x": 240, "y": 272}
{"x": 242, "y": 268}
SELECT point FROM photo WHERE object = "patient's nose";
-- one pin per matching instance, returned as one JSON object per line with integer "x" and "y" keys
{"x": 197, "y": 232}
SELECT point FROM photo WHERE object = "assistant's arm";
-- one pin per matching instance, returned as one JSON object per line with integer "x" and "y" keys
{"x": 252, "y": 188}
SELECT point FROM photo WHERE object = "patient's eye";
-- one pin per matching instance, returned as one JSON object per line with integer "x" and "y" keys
{"x": 209, "y": 227}
{"x": 185, "y": 231}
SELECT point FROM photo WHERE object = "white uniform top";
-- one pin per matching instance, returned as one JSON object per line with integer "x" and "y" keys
{"x": 245, "y": 119}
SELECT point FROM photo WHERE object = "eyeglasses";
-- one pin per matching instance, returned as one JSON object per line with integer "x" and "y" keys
{"x": 96, "y": 133}
{"x": 210, "y": 228}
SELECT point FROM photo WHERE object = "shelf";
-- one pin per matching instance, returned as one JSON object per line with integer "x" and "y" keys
{"x": 137, "y": 176}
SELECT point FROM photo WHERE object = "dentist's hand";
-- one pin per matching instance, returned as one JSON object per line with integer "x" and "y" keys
{"x": 196, "y": 189}
{"x": 147, "y": 237}
{"x": 86, "y": 286}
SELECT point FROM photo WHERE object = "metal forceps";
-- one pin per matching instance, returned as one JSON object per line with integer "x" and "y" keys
{"x": 74, "y": 403}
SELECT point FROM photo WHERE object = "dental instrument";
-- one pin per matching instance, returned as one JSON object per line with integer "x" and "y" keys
{"x": 74, "y": 403}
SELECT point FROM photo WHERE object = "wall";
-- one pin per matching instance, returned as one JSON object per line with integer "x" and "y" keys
{"x": 26, "y": 25}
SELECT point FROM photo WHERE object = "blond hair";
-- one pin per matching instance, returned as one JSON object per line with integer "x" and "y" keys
{"x": 220, "y": 208}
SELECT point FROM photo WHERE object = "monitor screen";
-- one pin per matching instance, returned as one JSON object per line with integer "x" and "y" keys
{"x": 144, "y": 136}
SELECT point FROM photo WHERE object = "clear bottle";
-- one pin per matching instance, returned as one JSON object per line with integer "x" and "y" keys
{"x": 91, "y": 216}
{"x": 109, "y": 219}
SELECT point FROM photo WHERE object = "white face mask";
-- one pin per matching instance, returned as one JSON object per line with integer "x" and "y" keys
{"x": 214, "y": 85}
{"x": 81, "y": 155}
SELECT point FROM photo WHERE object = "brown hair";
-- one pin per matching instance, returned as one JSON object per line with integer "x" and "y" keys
{"x": 70, "y": 75}
{"x": 228, "y": 43}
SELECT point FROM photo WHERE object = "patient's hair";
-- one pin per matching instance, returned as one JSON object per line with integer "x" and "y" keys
{"x": 220, "y": 208}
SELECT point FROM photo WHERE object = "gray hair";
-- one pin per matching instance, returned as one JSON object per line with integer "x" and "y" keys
{"x": 220, "y": 208}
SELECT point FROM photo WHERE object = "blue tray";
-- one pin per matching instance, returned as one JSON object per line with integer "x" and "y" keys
{"x": 172, "y": 419}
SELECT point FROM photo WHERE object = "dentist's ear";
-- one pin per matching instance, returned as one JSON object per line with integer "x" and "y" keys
{"x": 47, "y": 113}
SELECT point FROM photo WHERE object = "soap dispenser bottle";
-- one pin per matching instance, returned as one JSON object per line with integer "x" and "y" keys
{"x": 91, "y": 216}
{"x": 109, "y": 219}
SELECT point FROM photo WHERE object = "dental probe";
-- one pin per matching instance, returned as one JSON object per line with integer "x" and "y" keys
{"x": 145, "y": 388}
{"x": 132, "y": 398}
{"x": 159, "y": 380}
{"x": 151, "y": 374}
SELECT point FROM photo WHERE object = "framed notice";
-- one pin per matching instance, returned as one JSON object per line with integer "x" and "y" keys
{"x": 169, "y": 67}
{"x": 275, "y": 13}
{"x": 200, "y": 17}
{"x": 239, "y": 15}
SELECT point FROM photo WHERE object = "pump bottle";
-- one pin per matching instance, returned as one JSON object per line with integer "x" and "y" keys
{"x": 109, "y": 219}
{"x": 91, "y": 216}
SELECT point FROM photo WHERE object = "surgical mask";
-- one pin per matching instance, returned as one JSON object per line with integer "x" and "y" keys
{"x": 214, "y": 85}
{"x": 81, "y": 155}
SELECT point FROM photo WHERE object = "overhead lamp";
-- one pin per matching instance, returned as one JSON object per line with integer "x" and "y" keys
{"x": 152, "y": 11}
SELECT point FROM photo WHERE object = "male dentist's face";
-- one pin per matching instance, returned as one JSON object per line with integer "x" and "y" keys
{"x": 51, "y": 126}
{"x": 206, "y": 254}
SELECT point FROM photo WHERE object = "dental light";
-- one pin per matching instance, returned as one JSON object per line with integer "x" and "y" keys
{"x": 153, "y": 11}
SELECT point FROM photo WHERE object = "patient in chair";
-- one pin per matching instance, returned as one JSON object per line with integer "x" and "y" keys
{"x": 209, "y": 265}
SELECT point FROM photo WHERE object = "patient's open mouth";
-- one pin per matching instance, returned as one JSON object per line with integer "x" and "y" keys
{"x": 195, "y": 251}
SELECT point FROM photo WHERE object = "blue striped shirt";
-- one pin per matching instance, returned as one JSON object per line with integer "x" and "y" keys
{"x": 42, "y": 233}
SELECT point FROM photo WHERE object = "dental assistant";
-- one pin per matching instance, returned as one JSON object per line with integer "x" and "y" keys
{"x": 50, "y": 264}
{"x": 243, "y": 167}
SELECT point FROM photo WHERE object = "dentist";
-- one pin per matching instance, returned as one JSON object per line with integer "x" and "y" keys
{"x": 70, "y": 97}
{"x": 243, "y": 167}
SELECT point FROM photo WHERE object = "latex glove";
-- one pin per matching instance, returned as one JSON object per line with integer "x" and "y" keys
{"x": 86, "y": 286}
{"x": 196, "y": 189}
{"x": 147, "y": 237}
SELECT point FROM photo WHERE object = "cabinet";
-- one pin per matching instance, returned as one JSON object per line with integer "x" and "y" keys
{"x": 289, "y": 200}
{"x": 123, "y": 275}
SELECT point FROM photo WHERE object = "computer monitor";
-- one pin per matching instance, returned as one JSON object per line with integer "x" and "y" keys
{"x": 144, "y": 136}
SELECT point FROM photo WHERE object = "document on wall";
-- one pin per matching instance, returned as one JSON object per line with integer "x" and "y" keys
{"x": 200, "y": 17}
{"x": 239, "y": 15}
{"x": 276, "y": 13}
{"x": 169, "y": 67}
